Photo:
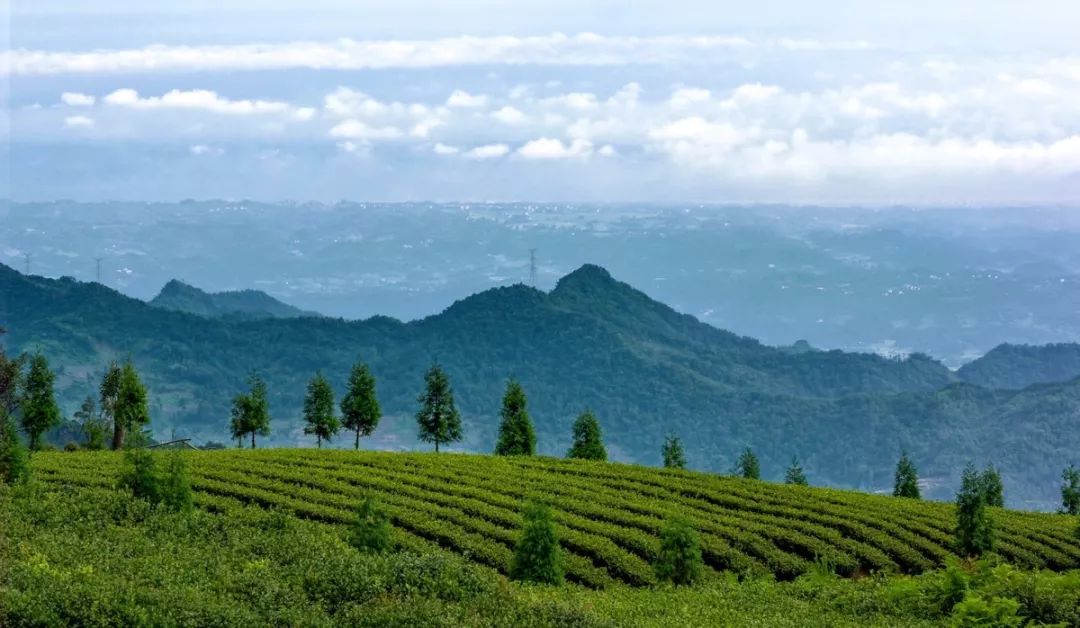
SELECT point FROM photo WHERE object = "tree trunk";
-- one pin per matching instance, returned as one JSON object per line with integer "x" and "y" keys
{"x": 253, "y": 439}
{"x": 436, "y": 446}
{"x": 118, "y": 436}
{"x": 318, "y": 441}
{"x": 357, "y": 439}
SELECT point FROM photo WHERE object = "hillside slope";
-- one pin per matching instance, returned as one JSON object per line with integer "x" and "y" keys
{"x": 1019, "y": 366}
{"x": 609, "y": 515}
{"x": 181, "y": 297}
{"x": 592, "y": 342}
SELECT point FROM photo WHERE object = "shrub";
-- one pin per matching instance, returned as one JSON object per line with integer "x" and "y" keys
{"x": 371, "y": 531}
{"x": 175, "y": 488}
{"x": 679, "y": 560}
{"x": 994, "y": 612}
{"x": 13, "y": 462}
{"x": 140, "y": 474}
{"x": 537, "y": 557}
{"x": 70, "y": 447}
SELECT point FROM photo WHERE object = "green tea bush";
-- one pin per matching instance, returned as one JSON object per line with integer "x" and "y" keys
{"x": 175, "y": 486}
{"x": 371, "y": 532}
{"x": 140, "y": 475}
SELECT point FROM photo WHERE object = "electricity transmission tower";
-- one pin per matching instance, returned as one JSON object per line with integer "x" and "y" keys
{"x": 97, "y": 260}
{"x": 27, "y": 263}
{"x": 532, "y": 267}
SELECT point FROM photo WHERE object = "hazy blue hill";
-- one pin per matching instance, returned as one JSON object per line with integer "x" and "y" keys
{"x": 1018, "y": 366}
{"x": 179, "y": 296}
{"x": 593, "y": 342}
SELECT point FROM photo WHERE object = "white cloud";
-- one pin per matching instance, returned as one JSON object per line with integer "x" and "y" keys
{"x": 78, "y": 122}
{"x": 912, "y": 121}
{"x": 346, "y": 54}
{"x": 575, "y": 100}
{"x": 510, "y": 115}
{"x": 699, "y": 131}
{"x": 354, "y": 148}
{"x": 424, "y": 127}
{"x": 464, "y": 99}
{"x": 76, "y": 99}
{"x": 487, "y": 151}
{"x": 549, "y": 148}
{"x": 688, "y": 96}
{"x": 751, "y": 93}
{"x": 357, "y": 130}
{"x": 205, "y": 149}
{"x": 200, "y": 99}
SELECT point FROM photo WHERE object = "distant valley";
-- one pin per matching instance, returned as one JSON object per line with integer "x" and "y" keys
{"x": 952, "y": 283}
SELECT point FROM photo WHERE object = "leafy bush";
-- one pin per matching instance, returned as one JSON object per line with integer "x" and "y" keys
{"x": 537, "y": 557}
{"x": 994, "y": 612}
{"x": 140, "y": 475}
{"x": 679, "y": 560}
{"x": 14, "y": 465}
{"x": 175, "y": 489}
{"x": 371, "y": 532}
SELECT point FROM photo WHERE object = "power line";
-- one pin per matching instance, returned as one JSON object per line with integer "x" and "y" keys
{"x": 532, "y": 267}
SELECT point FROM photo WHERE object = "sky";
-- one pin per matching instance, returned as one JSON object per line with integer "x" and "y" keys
{"x": 834, "y": 102}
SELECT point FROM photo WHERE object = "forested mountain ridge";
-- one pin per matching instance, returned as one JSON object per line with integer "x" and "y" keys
{"x": 592, "y": 342}
{"x": 1018, "y": 366}
{"x": 179, "y": 296}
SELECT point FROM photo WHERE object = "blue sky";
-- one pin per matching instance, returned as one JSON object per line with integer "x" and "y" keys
{"x": 832, "y": 102}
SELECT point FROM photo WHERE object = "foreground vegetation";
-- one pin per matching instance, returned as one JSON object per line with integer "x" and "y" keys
{"x": 609, "y": 515}
{"x": 97, "y": 556}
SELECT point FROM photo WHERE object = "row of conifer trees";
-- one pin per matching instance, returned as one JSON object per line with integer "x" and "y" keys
{"x": 121, "y": 408}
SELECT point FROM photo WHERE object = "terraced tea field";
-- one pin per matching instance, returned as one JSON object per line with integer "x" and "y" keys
{"x": 609, "y": 515}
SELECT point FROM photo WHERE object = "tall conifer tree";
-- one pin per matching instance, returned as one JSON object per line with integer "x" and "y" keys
{"x": 319, "y": 410}
{"x": 795, "y": 474}
{"x": 906, "y": 481}
{"x": 674, "y": 456}
{"x": 360, "y": 410}
{"x": 748, "y": 465}
{"x": 588, "y": 442}
{"x": 438, "y": 418}
{"x": 130, "y": 408}
{"x": 516, "y": 435}
{"x": 39, "y": 410}
{"x": 974, "y": 527}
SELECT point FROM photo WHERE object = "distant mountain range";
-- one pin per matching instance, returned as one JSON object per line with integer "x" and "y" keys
{"x": 179, "y": 296}
{"x": 592, "y": 342}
